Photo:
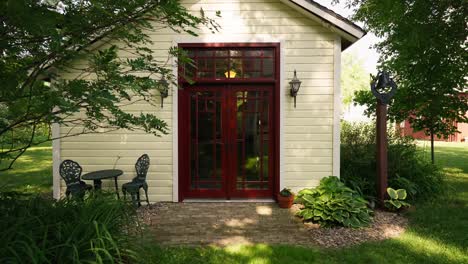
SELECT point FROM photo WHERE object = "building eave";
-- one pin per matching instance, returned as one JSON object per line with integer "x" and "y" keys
{"x": 346, "y": 29}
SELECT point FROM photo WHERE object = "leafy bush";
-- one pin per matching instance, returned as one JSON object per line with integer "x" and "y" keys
{"x": 334, "y": 204}
{"x": 396, "y": 201}
{"x": 407, "y": 168}
{"x": 37, "y": 230}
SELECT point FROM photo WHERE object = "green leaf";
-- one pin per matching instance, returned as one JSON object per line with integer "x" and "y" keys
{"x": 325, "y": 197}
{"x": 396, "y": 203}
{"x": 318, "y": 213}
{"x": 308, "y": 214}
{"x": 346, "y": 222}
{"x": 392, "y": 193}
{"x": 401, "y": 194}
{"x": 308, "y": 198}
{"x": 354, "y": 222}
{"x": 338, "y": 217}
{"x": 306, "y": 191}
{"x": 404, "y": 204}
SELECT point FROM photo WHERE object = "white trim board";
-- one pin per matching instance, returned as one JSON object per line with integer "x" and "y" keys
{"x": 336, "y": 107}
{"x": 56, "y": 160}
{"x": 175, "y": 133}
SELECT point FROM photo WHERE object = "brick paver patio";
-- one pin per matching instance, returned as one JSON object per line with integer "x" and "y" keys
{"x": 224, "y": 224}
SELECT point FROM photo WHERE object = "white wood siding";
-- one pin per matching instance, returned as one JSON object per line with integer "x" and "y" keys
{"x": 307, "y": 153}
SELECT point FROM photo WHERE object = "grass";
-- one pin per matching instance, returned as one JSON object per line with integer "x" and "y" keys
{"x": 35, "y": 230}
{"x": 437, "y": 231}
{"x": 32, "y": 172}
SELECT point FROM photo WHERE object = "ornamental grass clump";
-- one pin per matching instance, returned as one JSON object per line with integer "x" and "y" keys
{"x": 333, "y": 204}
{"x": 38, "y": 230}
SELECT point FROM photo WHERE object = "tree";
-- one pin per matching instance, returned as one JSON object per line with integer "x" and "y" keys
{"x": 353, "y": 78}
{"x": 424, "y": 47}
{"x": 40, "y": 38}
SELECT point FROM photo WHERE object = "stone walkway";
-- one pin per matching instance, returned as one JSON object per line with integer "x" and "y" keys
{"x": 224, "y": 224}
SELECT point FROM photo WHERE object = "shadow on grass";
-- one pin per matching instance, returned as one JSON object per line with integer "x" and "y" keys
{"x": 410, "y": 249}
{"x": 445, "y": 219}
{"x": 32, "y": 172}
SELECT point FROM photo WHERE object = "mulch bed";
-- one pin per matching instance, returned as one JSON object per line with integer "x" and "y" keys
{"x": 385, "y": 225}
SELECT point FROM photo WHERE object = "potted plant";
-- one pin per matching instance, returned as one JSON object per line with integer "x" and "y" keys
{"x": 285, "y": 198}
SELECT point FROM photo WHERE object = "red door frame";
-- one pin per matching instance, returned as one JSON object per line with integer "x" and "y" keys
{"x": 182, "y": 107}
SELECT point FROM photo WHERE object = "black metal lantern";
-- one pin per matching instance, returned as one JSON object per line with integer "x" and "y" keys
{"x": 163, "y": 90}
{"x": 383, "y": 87}
{"x": 295, "y": 85}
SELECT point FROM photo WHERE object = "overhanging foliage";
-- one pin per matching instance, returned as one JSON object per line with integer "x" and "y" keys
{"x": 42, "y": 38}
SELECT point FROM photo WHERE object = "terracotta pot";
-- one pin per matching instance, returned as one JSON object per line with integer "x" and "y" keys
{"x": 285, "y": 202}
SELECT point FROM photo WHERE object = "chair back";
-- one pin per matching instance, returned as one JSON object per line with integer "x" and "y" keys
{"x": 70, "y": 171}
{"x": 141, "y": 167}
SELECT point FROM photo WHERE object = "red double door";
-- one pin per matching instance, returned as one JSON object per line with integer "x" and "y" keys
{"x": 226, "y": 141}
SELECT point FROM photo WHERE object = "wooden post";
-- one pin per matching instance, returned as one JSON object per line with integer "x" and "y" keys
{"x": 382, "y": 162}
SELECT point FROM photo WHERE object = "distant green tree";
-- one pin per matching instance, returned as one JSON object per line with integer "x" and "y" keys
{"x": 39, "y": 38}
{"x": 353, "y": 77}
{"x": 424, "y": 46}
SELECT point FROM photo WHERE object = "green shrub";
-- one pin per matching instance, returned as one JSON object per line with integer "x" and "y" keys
{"x": 397, "y": 199}
{"x": 334, "y": 204}
{"x": 37, "y": 230}
{"x": 407, "y": 168}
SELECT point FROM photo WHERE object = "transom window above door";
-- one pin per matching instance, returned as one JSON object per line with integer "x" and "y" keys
{"x": 229, "y": 64}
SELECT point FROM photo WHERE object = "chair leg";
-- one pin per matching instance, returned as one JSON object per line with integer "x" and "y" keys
{"x": 138, "y": 197}
{"x": 134, "y": 199}
{"x": 146, "y": 194}
{"x": 124, "y": 193}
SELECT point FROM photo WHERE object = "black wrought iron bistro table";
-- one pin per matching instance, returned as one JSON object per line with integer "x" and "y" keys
{"x": 98, "y": 176}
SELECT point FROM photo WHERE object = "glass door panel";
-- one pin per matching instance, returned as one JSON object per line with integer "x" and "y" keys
{"x": 252, "y": 139}
{"x": 206, "y": 140}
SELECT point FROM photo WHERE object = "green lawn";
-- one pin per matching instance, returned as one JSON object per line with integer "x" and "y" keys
{"x": 437, "y": 233}
{"x": 32, "y": 173}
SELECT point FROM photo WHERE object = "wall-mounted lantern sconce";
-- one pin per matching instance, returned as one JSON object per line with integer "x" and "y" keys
{"x": 295, "y": 85}
{"x": 163, "y": 90}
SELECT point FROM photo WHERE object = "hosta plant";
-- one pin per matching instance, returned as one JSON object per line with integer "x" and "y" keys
{"x": 333, "y": 204}
{"x": 396, "y": 201}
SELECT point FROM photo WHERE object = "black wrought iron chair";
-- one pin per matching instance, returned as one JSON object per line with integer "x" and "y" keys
{"x": 133, "y": 187}
{"x": 70, "y": 171}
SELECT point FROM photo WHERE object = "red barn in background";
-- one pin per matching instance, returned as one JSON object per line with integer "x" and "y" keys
{"x": 407, "y": 130}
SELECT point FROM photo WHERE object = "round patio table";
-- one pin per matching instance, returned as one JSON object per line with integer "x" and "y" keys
{"x": 98, "y": 176}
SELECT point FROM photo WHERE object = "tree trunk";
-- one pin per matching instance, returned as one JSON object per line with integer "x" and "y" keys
{"x": 432, "y": 146}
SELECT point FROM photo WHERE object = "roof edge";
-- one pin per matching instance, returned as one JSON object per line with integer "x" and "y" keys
{"x": 328, "y": 18}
